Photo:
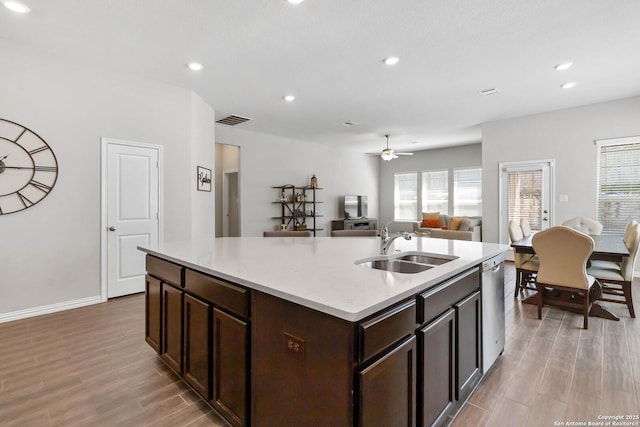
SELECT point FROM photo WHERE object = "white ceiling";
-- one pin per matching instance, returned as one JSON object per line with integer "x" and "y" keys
{"x": 328, "y": 53}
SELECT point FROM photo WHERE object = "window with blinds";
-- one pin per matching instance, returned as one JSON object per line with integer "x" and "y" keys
{"x": 467, "y": 192}
{"x": 618, "y": 186}
{"x": 435, "y": 191}
{"x": 525, "y": 197}
{"x": 405, "y": 196}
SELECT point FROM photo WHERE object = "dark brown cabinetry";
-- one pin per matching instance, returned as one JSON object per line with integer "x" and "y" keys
{"x": 469, "y": 349}
{"x": 200, "y": 325}
{"x": 260, "y": 360}
{"x": 171, "y": 344}
{"x": 196, "y": 342}
{"x": 388, "y": 348}
{"x": 152, "y": 312}
{"x": 437, "y": 359}
{"x": 388, "y": 388}
{"x": 229, "y": 361}
{"x": 449, "y": 346}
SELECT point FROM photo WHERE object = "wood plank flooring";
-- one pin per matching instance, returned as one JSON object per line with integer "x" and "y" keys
{"x": 91, "y": 367}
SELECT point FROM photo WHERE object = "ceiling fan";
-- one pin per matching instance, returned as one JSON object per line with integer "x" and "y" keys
{"x": 389, "y": 153}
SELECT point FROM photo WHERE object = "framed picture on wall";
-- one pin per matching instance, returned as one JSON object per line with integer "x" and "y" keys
{"x": 204, "y": 179}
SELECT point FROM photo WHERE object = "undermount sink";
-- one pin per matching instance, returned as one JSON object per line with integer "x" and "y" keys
{"x": 408, "y": 263}
{"x": 396, "y": 266}
{"x": 426, "y": 259}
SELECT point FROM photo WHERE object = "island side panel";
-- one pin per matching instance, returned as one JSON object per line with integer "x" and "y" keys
{"x": 303, "y": 363}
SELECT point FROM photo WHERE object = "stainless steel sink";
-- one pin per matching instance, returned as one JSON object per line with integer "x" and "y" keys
{"x": 396, "y": 266}
{"x": 426, "y": 259}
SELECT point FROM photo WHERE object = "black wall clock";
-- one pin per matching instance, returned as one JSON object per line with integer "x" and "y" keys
{"x": 28, "y": 168}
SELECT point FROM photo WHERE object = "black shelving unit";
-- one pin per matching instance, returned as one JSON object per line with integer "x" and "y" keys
{"x": 298, "y": 207}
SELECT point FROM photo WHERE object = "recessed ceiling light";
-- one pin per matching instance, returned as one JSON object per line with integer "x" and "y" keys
{"x": 289, "y": 98}
{"x": 295, "y": 1}
{"x": 349, "y": 124}
{"x": 16, "y": 6}
{"x": 568, "y": 85}
{"x": 564, "y": 66}
{"x": 195, "y": 66}
{"x": 392, "y": 60}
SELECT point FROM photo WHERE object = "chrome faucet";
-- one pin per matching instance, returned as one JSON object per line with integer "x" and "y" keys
{"x": 386, "y": 239}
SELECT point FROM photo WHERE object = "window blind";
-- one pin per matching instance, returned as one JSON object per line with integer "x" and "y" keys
{"x": 618, "y": 186}
{"x": 435, "y": 191}
{"x": 525, "y": 197}
{"x": 405, "y": 196}
{"x": 467, "y": 192}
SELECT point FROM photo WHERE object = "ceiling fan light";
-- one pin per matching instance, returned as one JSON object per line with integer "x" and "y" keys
{"x": 387, "y": 155}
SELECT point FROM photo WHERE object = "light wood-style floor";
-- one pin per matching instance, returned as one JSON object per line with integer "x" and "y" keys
{"x": 91, "y": 367}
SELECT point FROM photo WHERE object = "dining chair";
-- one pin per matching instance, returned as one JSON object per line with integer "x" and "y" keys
{"x": 616, "y": 278}
{"x": 563, "y": 253}
{"x": 291, "y": 233}
{"x": 353, "y": 233}
{"x": 585, "y": 224}
{"x": 526, "y": 264}
{"x": 525, "y": 226}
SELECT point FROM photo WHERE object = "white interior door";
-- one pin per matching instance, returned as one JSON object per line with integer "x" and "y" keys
{"x": 526, "y": 192}
{"x": 132, "y": 214}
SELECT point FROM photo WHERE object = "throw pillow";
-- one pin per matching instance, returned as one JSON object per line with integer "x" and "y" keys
{"x": 454, "y": 223}
{"x": 465, "y": 225}
{"x": 431, "y": 223}
{"x": 430, "y": 215}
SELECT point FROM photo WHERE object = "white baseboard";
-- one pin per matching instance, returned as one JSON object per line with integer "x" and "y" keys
{"x": 47, "y": 309}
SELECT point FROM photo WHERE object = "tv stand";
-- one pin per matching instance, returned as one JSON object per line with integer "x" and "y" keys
{"x": 355, "y": 224}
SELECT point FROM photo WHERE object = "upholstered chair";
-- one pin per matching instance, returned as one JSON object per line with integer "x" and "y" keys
{"x": 526, "y": 264}
{"x": 291, "y": 233}
{"x": 616, "y": 278}
{"x": 584, "y": 224}
{"x": 563, "y": 254}
{"x": 525, "y": 226}
{"x": 353, "y": 233}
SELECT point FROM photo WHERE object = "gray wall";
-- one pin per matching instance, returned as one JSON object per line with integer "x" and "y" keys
{"x": 267, "y": 160}
{"x": 568, "y": 137}
{"x": 443, "y": 158}
{"x": 50, "y": 253}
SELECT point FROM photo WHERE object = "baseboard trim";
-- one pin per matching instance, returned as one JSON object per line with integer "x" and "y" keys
{"x": 47, "y": 309}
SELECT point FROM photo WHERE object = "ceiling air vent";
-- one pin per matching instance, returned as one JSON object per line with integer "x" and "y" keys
{"x": 232, "y": 120}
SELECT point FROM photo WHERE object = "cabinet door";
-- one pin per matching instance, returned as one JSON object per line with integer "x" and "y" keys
{"x": 196, "y": 345}
{"x": 388, "y": 388}
{"x": 230, "y": 355}
{"x": 469, "y": 349}
{"x": 171, "y": 343}
{"x": 437, "y": 358}
{"x": 152, "y": 312}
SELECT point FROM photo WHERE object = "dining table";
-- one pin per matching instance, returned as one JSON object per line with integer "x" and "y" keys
{"x": 607, "y": 247}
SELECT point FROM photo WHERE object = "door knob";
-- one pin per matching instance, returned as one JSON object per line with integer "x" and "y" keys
{"x": 112, "y": 228}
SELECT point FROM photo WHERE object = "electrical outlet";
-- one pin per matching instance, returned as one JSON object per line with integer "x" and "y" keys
{"x": 294, "y": 345}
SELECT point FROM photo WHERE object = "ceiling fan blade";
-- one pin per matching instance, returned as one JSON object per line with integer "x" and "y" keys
{"x": 404, "y": 154}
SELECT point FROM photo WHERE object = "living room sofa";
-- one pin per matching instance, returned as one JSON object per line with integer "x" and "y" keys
{"x": 470, "y": 229}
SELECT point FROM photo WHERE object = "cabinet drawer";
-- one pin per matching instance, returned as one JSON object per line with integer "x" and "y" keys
{"x": 438, "y": 299}
{"x": 164, "y": 270}
{"x": 382, "y": 331}
{"x": 218, "y": 292}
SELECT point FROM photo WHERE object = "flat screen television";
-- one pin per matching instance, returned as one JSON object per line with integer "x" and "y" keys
{"x": 355, "y": 206}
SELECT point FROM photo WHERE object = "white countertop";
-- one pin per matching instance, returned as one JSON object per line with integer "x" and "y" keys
{"x": 320, "y": 272}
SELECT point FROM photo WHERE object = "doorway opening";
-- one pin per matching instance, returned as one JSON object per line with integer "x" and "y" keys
{"x": 227, "y": 190}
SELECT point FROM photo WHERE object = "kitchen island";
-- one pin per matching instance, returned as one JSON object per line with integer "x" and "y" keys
{"x": 291, "y": 331}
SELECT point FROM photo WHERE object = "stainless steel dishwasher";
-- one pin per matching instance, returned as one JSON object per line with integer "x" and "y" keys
{"x": 492, "y": 282}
